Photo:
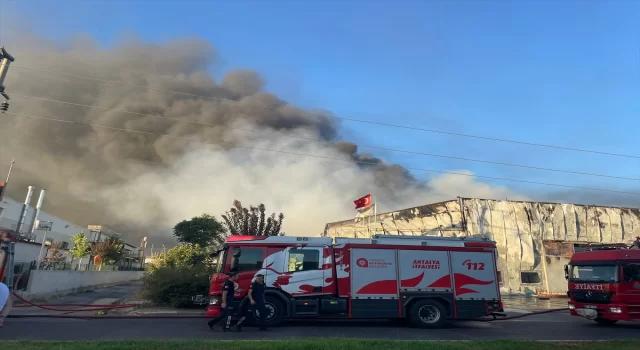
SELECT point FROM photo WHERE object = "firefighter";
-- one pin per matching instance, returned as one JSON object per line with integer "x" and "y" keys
{"x": 226, "y": 303}
{"x": 257, "y": 303}
{"x": 5, "y": 302}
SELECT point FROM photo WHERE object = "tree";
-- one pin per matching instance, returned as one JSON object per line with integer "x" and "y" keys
{"x": 203, "y": 230}
{"x": 111, "y": 250}
{"x": 182, "y": 256}
{"x": 242, "y": 221}
{"x": 55, "y": 254}
{"x": 80, "y": 246}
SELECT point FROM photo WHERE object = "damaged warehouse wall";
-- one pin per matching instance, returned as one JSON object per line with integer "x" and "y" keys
{"x": 535, "y": 240}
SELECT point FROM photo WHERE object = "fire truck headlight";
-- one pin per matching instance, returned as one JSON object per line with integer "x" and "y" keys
{"x": 214, "y": 301}
{"x": 572, "y": 307}
{"x": 615, "y": 310}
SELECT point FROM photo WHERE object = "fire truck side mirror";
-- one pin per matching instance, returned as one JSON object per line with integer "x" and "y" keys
{"x": 235, "y": 255}
{"x": 566, "y": 272}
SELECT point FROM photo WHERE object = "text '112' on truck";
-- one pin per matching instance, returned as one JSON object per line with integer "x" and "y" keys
{"x": 427, "y": 280}
{"x": 604, "y": 283}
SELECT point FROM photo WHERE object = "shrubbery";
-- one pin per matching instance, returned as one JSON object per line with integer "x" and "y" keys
{"x": 174, "y": 286}
{"x": 174, "y": 277}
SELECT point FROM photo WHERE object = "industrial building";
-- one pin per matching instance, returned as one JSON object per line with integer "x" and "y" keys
{"x": 535, "y": 240}
{"x": 29, "y": 245}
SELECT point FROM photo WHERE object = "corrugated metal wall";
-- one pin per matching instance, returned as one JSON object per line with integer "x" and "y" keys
{"x": 525, "y": 232}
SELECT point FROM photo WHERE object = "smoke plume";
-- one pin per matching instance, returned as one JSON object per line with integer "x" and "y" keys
{"x": 142, "y": 184}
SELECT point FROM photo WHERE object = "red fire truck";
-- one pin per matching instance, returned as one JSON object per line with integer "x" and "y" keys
{"x": 604, "y": 283}
{"x": 427, "y": 280}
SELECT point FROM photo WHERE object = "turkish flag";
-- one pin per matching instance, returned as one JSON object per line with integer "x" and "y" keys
{"x": 363, "y": 202}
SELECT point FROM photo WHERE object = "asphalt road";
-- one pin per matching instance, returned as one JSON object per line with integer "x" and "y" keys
{"x": 541, "y": 327}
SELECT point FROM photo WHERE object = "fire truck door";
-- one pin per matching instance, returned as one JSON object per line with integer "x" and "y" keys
{"x": 304, "y": 266}
{"x": 630, "y": 286}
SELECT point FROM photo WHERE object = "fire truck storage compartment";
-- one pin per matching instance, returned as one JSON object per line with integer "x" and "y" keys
{"x": 305, "y": 307}
{"x": 333, "y": 306}
{"x": 475, "y": 286}
{"x": 374, "y": 283}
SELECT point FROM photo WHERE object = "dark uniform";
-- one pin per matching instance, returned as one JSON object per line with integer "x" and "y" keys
{"x": 227, "y": 312}
{"x": 258, "y": 296}
{"x": 257, "y": 293}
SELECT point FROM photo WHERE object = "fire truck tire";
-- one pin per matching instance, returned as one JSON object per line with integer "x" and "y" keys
{"x": 276, "y": 310}
{"x": 605, "y": 321}
{"x": 427, "y": 313}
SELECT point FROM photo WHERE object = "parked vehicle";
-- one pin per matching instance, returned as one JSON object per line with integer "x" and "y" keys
{"x": 428, "y": 280}
{"x": 604, "y": 283}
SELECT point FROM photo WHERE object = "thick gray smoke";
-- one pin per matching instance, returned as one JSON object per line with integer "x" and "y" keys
{"x": 143, "y": 184}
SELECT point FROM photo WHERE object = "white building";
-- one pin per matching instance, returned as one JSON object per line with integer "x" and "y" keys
{"x": 28, "y": 249}
{"x": 61, "y": 230}
{"x": 535, "y": 240}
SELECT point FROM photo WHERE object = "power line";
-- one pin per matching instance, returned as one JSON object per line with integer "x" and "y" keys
{"x": 487, "y": 138}
{"x": 318, "y": 156}
{"x": 330, "y": 142}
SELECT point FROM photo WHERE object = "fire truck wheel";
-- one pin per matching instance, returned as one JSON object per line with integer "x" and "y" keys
{"x": 604, "y": 321}
{"x": 427, "y": 313}
{"x": 275, "y": 309}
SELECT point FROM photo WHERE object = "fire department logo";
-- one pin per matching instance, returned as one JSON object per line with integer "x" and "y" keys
{"x": 362, "y": 262}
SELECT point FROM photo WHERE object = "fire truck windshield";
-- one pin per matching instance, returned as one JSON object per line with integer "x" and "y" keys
{"x": 594, "y": 273}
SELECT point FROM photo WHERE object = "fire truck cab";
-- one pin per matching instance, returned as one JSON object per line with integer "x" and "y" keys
{"x": 604, "y": 283}
{"x": 428, "y": 280}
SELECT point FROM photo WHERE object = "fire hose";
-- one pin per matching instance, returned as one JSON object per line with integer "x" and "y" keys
{"x": 124, "y": 306}
{"x": 104, "y": 307}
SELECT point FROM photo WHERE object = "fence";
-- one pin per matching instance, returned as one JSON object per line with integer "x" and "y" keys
{"x": 57, "y": 266}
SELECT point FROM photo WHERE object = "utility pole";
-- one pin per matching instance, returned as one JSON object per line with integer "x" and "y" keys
{"x": 3, "y": 189}
{"x": 5, "y": 61}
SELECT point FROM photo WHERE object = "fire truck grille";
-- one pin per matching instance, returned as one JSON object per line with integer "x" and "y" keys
{"x": 588, "y": 296}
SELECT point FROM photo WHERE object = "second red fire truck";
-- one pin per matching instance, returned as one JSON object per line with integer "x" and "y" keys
{"x": 604, "y": 283}
{"x": 428, "y": 280}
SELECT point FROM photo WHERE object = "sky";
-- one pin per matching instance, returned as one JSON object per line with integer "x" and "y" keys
{"x": 565, "y": 72}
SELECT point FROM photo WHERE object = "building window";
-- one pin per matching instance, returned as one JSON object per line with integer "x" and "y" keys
{"x": 304, "y": 260}
{"x": 529, "y": 277}
{"x": 499, "y": 276}
{"x": 250, "y": 259}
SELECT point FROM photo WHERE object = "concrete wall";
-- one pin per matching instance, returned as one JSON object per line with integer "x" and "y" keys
{"x": 524, "y": 233}
{"x": 47, "y": 283}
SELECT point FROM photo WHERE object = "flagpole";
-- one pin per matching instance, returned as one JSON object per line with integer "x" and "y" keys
{"x": 375, "y": 216}
{"x": 369, "y": 218}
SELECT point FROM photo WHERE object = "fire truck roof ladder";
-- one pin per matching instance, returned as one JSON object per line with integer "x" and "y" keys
{"x": 425, "y": 240}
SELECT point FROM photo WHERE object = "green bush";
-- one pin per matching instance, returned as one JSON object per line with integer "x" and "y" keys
{"x": 174, "y": 286}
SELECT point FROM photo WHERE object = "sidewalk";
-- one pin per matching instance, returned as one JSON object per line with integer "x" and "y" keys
{"x": 104, "y": 296}
{"x": 532, "y": 304}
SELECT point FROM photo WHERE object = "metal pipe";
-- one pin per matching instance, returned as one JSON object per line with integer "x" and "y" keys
{"x": 37, "y": 213}
{"x": 25, "y": 207}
